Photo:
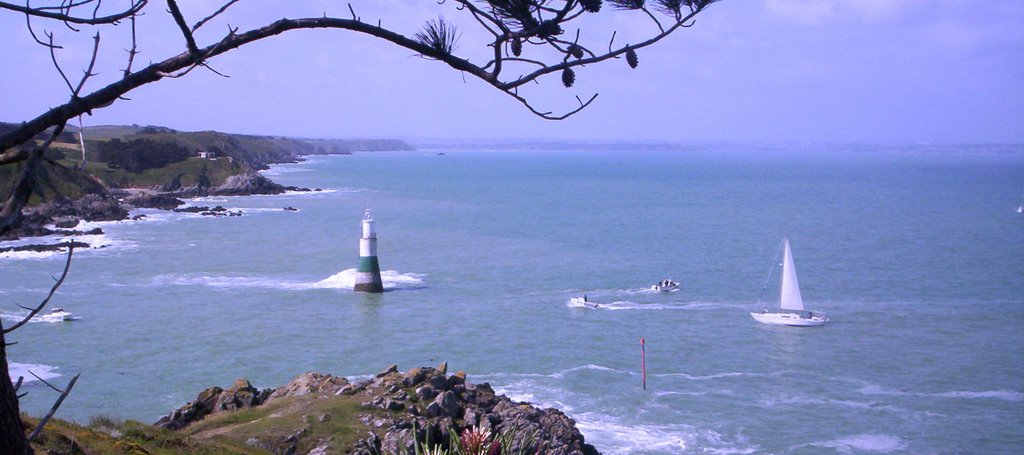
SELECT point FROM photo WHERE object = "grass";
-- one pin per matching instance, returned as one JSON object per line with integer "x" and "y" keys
{"x": 106, "y": 435}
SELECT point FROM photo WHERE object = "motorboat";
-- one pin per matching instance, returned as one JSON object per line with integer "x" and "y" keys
{"x": 57, "y": 315}
{"x": 791, "y": 305}
{"x": 665, "y": 286}
{"x": 583, "y": 302}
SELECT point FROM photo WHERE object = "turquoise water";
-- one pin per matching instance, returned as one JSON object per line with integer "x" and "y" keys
{"x": 917, "y": 258}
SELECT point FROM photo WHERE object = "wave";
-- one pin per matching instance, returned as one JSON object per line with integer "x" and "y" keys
{"x": 1008, "y": 395}
{"x": 346, "y": 279}
{"x": 865, "y": 442}
{"x": 617, "y": 437}
{"x": 45, "y": 372}
{"x": 614, "y": 434}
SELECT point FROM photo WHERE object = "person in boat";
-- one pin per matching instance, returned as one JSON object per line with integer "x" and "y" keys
{"x": 584, "y": 297}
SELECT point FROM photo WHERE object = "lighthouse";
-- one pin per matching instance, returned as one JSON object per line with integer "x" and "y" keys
{"x": 368, "y": 272}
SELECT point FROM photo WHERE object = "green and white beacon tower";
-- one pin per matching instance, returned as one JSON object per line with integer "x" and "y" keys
{"x": 368, "y": 272}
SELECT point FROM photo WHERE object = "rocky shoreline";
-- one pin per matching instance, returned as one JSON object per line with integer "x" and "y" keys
{"x": 114, "y": 205}
{"x": 398, "y": 411}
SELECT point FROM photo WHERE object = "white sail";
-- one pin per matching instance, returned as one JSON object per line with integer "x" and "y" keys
{"x": 790, "y": 296}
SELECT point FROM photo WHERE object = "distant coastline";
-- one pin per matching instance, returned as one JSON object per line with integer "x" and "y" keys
{"x": 130, "y": 166}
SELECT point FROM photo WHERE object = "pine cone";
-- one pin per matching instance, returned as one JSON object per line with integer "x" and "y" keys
{"x": 576, "y": 51}
{"x": 568, "y": 77}
{"x": 591, "y": 6}
{"x": 631, "y": 57}
{"x": 517, "y": 47}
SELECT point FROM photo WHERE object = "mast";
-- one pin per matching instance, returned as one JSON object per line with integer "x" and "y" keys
{"x": 789, "y": 297}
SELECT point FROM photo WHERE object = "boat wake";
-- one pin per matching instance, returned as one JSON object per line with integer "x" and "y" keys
{"x": 41, "y": 317}
{"x": 619, "y": 305}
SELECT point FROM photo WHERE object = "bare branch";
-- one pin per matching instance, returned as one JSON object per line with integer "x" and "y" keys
{"x": 215, "y": 14}
{"x": 92, "y": 64}
{"x": 53, "y": 289}
{"x": 190, "y": 41}
{"x": 53, "y": 409}
{"x": 45, "y": 12}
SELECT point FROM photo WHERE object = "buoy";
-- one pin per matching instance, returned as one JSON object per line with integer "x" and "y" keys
{"x": 643, "y": 365}
{"x": 368, "y": 272}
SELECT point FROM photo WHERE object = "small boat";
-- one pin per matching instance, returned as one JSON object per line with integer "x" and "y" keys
{"x": 57, "y": 315}
{"x": 791, "y": 304}
{"x": 1020, "y": 207}
{"x": 665, "y": 286}
{"x": 582, "y": 301}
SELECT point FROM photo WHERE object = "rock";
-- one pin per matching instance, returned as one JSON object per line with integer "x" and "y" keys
{"x": 426, "y": 393}
{"x": 396, "y": 424}
{"x": 413, "y": 377}
{"x": 193, "y": 209}
{"x": 240, "y": 395}
{"x": 312, "y": 383}
{"x": 438, "y": 381}
{"x": 448, "y": 403}
{"x": 153, "y": 201}
{"x": 245, "y": 184}
{"x": 443, "y": 368}
{"x": 43, "y": 248}
{"x": 66, "y": 223}
{"x": 390, "y": 369}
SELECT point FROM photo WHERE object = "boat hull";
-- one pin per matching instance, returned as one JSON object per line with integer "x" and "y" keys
{"x": 789, "y": 319}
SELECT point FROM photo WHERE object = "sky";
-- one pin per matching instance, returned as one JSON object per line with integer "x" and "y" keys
{"x": 801, "y": 71}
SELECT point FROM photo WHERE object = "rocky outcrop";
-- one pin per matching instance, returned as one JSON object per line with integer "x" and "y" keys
{"x": 150, "y": 200}
{"x": 240, "y": 395}
{"x": 44, "y": 247}
{"x": 91, "y": 207}
{"x": 406, "y": 409}
{"x": 66, "y": 213}
{"x": 242, "y": 184}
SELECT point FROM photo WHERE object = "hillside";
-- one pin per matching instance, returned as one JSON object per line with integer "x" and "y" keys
{"x": 133, "y": 156}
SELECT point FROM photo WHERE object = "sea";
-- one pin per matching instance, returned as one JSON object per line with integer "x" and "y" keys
{"x": 917, "y": 258}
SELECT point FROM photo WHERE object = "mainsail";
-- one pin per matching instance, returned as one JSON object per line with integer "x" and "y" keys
{"x": 789, "y": 298}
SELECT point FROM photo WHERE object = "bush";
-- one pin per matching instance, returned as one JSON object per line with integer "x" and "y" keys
{"x": 137, "y": 155}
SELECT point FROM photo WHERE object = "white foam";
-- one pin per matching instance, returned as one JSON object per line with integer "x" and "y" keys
{"x": 346, "y": 279}
{"x": 866, "y": 442}
{"x": 627, "y": 305}
{"x": 616, "y": 437}
{"x": 18, "y": 317}
{"x": 46, "y": 372}
{"x": 1008, "y": 395}
{"x": 342, "y": 280}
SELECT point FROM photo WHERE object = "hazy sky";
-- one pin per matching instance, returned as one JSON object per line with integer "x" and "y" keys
{"x": 749, "y": 70}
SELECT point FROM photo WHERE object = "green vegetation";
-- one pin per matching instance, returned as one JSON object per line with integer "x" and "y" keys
{"x": 109, "y": 436}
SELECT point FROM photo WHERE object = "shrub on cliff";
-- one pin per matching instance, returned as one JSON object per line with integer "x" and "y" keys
{"x": 137, "y": 155}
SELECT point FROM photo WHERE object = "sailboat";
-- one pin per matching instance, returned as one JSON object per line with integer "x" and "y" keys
{"x": 1020, "y": 207}
{"x": 791, "y": 304}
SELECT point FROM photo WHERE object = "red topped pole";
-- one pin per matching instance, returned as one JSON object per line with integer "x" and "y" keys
{"x": 643, "y": 364}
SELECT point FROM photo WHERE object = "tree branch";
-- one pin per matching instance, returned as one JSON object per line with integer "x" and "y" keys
{"x": 53, "y": 289}
{"x": 45, "y": 12}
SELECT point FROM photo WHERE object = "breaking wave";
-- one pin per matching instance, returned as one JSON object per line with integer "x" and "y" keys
{"x": 346, "y": 279}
